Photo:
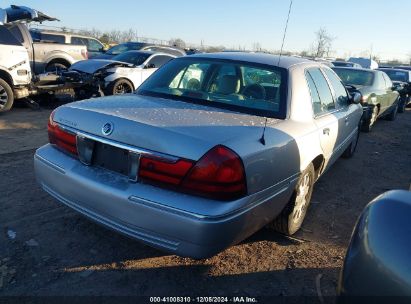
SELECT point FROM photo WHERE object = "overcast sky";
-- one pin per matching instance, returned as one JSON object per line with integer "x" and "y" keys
{"x": 357, "y": 25}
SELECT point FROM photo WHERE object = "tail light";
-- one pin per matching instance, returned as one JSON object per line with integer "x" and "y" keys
{"x": 219, "y": 174}
{"x": 63, "y": 139}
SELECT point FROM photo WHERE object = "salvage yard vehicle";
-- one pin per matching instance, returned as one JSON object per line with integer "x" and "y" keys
{"x": 17, "y": 52}
{"x": 211, "y": 148}
{"x": 139, "y": 46}
{"x": 379, "y": 95}
{"x": 377, "y": 263}
{"x": 401, "y": 78}
{"x": 122, "y": 74}
{"x": 346, "y": 64}
{"x": 43, "y": 56}
{"x": 94, "y": 46}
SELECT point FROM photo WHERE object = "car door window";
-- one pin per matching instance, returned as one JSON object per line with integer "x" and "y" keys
{"x": 158, "y": 61}
{"x": 326, "y": 103}
{"x": 17, "y": 33}
{"x": 341, "y": 95}
{"x": 6, "y": 37}
{"x": 78, "y": 41}
{"x": 94, "y": 45}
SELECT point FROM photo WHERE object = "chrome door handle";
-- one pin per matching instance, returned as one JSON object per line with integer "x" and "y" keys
{"x": 326, "y": 131}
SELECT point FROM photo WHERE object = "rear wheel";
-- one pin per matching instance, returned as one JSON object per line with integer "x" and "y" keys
{"x": 291, "y": 218}
{"x": 120, "y": 86}
{"x": 371, "y": 119}
{"x": 6, "y": 96}
{"x": 393, "y": 114}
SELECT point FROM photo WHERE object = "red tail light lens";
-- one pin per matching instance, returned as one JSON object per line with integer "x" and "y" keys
{"x": 163, "y": 171}
{"x": 61, "y": 138}
{"x": 218, "y": 174}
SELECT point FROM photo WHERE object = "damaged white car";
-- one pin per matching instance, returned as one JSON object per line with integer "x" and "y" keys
{"x": 122, "y": 74}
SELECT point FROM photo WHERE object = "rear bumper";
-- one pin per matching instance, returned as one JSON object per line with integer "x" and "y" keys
{"x": 178, "y": 223}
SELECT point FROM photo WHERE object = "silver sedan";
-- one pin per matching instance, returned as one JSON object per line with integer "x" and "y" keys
{"x": 210, "y": 149}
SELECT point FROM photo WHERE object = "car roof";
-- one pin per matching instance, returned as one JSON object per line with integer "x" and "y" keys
{"x": 354, "y": 68}
{"x": 262, "y": 58}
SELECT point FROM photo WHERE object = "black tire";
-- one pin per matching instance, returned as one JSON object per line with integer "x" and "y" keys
{"x": 350, "y": 151}
{"x": 119, "y": 87}
{"x": 6, "y": 96}
{"x": 57, "y": 66}
{"x": 291, "y": 218}
{"x": 393, "y": 114}
{"x": 402, "y": 105}
{"x": 371, "y": 118}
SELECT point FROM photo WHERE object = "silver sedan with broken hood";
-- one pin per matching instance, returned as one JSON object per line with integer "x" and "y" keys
{"x": 210, "y": 149}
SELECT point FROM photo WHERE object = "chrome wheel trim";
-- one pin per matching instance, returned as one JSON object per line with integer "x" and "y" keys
{"x": 302, "y": 199}
{"x": 3, "y": 97}
{"x": 122, "y": 88}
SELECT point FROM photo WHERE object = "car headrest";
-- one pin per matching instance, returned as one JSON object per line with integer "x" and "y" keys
{"x": 229, "y": 84}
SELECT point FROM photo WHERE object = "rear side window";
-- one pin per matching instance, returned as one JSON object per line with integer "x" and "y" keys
{"x": 6, "y": 37}
{"x": 323, "y": 90}
{"x": 341, "y": 96}
{"x": 388, "y": 81}
{"x": 49, "y": 38}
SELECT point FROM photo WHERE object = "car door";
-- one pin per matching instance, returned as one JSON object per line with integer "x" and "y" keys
{"x": 326, "y": 115}
{"x": 390, "y": 95}
{"x": 348, "y": 113}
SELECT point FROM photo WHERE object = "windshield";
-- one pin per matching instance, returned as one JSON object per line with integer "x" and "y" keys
{"x": 121, "y": 48}
{"x": 396, "y": 75}
{"x": 244, "y": 87}
{"x": 132, "y": 57}
{"x": 355, "y": 77}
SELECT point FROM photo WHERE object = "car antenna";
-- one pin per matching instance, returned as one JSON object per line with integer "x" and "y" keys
{"x": 285, "y": 32}
{"x": 262, "y": 139}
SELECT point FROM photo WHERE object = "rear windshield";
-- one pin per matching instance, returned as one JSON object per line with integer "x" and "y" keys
{"x": 238, "y": 86}
{"x": 135, "y": 58}
{"x": 396, "y": 75}
{"x": 355, "y": 77}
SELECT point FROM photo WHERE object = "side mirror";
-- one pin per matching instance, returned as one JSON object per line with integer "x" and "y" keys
{"x": 377, "y": 262}
{"x": 356, "y": 98}
{"x": 150, "y": 66}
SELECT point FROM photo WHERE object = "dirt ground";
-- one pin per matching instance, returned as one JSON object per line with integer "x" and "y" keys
{"x": 55, "y": 251}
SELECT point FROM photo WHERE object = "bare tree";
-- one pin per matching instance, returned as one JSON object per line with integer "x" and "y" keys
{"x": 177, "y": 42}
{"x": 323, "y": 43}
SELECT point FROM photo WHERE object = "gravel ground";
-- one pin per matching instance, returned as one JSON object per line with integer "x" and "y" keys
{"x": 58, "y": 252}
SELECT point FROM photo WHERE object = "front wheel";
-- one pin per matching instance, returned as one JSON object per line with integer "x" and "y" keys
{"x": 402, "y": 105}
{"x": 6, "y": 96}
{"x": 56, "y": 67}
{"x": 120, "y": 86}
{"x": 291, "y": 218}
{"x": 393, "y": 114}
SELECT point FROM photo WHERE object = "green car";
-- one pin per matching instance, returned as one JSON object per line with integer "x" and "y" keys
{"x": 379, "y": 95}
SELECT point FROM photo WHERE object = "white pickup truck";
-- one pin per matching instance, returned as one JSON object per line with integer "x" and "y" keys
{"x": 21, "y": 59}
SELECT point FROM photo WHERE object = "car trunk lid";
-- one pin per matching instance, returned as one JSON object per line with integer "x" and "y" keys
{"x": 167, "y": 126}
